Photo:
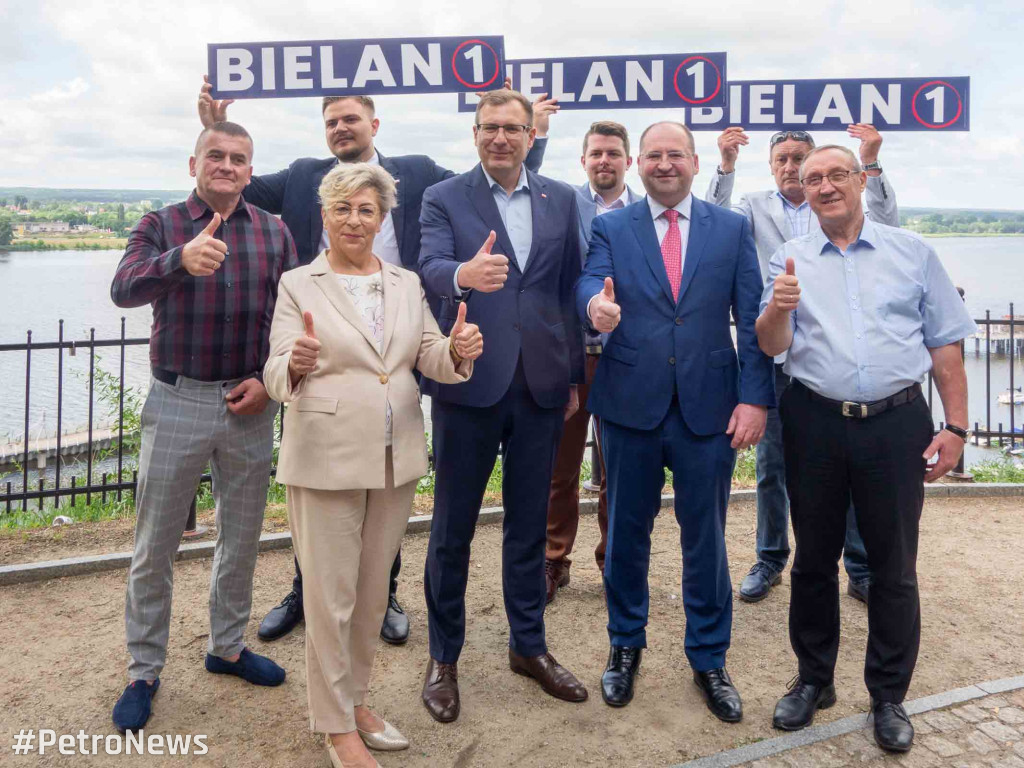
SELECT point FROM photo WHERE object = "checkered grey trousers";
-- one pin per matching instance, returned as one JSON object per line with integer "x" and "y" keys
{"x": 184, "y": 427}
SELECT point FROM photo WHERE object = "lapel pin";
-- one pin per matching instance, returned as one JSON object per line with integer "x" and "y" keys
{"x": 543, "y": 195}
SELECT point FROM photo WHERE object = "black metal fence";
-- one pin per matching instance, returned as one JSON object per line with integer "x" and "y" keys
{"x": 1005, "y": 334}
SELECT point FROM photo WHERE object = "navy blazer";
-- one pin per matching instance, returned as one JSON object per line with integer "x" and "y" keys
{"x": 532, "y": 314}
{"x": 292, "y": 194}
{"x": 663, "y": 347}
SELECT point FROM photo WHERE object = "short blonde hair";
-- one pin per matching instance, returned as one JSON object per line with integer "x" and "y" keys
{"x": 345, "y": 179}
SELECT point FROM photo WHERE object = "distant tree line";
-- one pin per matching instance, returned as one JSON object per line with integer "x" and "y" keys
{"x": 965, "y": 223}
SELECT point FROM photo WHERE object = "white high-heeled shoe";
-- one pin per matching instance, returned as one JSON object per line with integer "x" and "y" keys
{"x": 388, "y": 740}
{"x": 336, "y": 761}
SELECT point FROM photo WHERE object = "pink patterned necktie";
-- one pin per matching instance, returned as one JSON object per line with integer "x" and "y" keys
{"x": 672, "y": 252}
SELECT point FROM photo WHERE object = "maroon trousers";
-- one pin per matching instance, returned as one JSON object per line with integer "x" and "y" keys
{"x": 564, "y": 501}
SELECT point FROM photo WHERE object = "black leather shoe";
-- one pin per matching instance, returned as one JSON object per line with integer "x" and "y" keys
{"x": 618, "y": 677}
{"x": 858, "y": 590}
{"x": 720, "y": 694}
{"x": 759, "y": 582}
{"x": 395, "y": 627}
{"x": 893, "y": 731}
{"x": 282, "y": 618}
{"x": 796, "y": 709}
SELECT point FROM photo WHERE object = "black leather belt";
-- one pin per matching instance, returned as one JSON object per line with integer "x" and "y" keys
{"x": 167, "y": 377}
{"x": 854, "y": 410}
{"x": 170, "y": 378}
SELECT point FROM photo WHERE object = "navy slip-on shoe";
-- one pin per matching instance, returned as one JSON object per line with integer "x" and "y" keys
{"x": 256, "y": 669}
{"x": 135, "y": 705}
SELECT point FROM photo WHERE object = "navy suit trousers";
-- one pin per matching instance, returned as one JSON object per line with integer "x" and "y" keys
{"x": 467, "y": 440}
{"x": 702, "y": 474}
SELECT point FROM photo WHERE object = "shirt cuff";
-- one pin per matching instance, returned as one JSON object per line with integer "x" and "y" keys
{"x": 455, "y": 283}
{"x": 590, "y": 318}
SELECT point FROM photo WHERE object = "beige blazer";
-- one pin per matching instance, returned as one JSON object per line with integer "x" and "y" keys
{"x": 334, "y": 424}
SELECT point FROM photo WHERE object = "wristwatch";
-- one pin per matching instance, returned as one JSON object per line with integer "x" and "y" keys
{"x": 875, "y": 166}
{"x": 963, "y": 434}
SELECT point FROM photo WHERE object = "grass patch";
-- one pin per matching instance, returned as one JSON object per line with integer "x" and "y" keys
{"x": 1001, "y": 470}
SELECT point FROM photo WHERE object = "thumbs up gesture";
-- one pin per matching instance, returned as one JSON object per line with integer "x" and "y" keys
{"x": 604, "y": 312}
{"x": 305, "y": 351}
{"x": 466, "y": 341}
{"x": 787, "y": 289}
{"x": 203, "y": 254}
{"x": 485, "y": 272}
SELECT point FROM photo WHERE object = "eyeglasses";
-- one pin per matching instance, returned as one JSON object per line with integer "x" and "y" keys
{"x": 512, "y": 130}
{"x": 836, "y": 178}
{"x": 794, "y": 135}
{"x": 673, "y": 157}
{"x": 364, "y": 212}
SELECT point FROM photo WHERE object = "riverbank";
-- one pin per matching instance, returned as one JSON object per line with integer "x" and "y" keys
{"x": 61, "y": 244}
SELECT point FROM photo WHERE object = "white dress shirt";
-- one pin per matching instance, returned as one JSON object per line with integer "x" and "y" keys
{"x": 602, "y": 207}
{"x": 684, "y": 206}
{"x": 385, "y": 244}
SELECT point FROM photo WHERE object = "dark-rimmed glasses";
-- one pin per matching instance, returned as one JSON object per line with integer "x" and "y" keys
{"x": 512, "y": 130}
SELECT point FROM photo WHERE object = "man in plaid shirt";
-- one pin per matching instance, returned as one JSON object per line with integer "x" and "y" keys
{"x": 210, "y": 267}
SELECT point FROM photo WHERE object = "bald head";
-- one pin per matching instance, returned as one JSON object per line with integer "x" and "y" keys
{"x": 668, "y": 124}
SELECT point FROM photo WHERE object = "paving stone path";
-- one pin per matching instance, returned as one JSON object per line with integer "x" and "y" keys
{"x": 984, "y": 733}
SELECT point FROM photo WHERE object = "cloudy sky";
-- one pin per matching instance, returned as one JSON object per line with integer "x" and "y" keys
{"x": 103, "y": 95}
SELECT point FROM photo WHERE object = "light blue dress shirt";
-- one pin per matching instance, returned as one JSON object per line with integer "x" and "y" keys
{"x": 798, "y": 216}
{"x": 516, "y": 211}
{"x": 516, "y": 214}
{"x": 867, "y": 316}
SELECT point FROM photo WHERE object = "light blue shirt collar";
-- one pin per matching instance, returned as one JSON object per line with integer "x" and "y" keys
{"x": 523, "y": 182}
{"x": 868, "y": 237}
{"x": 789, "y": 204}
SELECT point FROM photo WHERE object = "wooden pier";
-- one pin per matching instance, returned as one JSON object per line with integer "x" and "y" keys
{"x": 42, "y": 449}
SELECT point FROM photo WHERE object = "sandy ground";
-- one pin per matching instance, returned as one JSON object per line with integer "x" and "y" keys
{"x": 62, "y": 657}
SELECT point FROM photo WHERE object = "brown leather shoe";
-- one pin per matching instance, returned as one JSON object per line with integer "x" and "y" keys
{"x": 555, "y": 679}
{"x": 441, "y": 691}
{"x": 556, "y": 576}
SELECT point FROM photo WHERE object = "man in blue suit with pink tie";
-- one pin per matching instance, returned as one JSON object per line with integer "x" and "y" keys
{"x": 663, "y": 277}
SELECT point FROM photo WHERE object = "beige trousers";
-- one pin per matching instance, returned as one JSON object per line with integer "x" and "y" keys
{"x": 345, "y": 542}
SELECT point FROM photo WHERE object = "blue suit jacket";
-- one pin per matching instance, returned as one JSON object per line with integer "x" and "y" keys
{"x": 532, "y": 314}
{"x": 662, "y": 347}
{"x": 292, "y": 194}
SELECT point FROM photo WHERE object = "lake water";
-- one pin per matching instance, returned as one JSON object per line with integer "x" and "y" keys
{"x": 38, "y": 289}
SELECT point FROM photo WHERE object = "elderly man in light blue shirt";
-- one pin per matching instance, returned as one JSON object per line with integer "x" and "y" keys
{"x": 775, "y": 216}
{"x": 864, "y": 311}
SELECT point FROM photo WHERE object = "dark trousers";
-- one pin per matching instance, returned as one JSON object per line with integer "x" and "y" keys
{"x": 773, "y": 503}
{"x": 877, "y": 461}
{"x": 564, "y": 501}
{"x": 702, "y": 474}
{"x": 396, "y": 567}
{"x": 467, "y": 441}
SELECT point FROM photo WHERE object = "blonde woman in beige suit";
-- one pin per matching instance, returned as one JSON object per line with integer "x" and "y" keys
{"x": 348, "y": 332}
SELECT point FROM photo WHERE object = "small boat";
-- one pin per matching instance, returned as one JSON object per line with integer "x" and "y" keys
{"x": 1015, "y": 396}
